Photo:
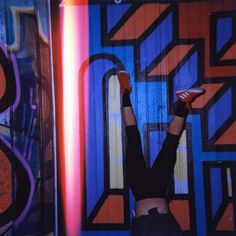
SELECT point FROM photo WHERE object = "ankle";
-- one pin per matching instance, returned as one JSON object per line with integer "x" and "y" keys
{"x": 126, "y": 99}
{"x": 181, "y": 109}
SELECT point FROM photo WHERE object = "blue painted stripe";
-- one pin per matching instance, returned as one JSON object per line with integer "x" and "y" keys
{"x": 186, "y": 76}
{"x": 199, "y": 200}
{"x": 95, "y": 139}
{"x": 224, "y": 31}
{"x": 216, "y": 189}
{"x": 114, "y": 14}
{"x": 220, "y": 112}
{"x": 156, "y": 42}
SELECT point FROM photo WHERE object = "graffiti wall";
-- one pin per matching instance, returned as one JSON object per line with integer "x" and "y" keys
{"x": 165, "y": 47}
{"x": 26, "y": 144}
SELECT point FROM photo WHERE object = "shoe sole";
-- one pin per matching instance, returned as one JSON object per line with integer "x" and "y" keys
{"x": 123, "y": 71}
{"x": 193, "y": 90}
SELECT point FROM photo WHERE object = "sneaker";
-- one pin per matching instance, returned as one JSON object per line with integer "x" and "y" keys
{"x": 189, "y": 95}
{"x": 123, "y": 78}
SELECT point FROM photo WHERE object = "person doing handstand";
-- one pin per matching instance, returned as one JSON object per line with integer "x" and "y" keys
{"x": 149, "y": 185}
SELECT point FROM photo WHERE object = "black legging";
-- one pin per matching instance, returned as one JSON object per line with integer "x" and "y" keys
{"x": 149, "y": 182}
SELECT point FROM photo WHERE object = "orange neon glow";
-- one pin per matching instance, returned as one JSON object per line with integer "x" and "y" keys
{"x": 74, "y": 35}
{"x": 74, "y": 2}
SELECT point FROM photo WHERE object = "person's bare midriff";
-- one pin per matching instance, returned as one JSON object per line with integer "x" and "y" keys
{"x": 142, "y": 206}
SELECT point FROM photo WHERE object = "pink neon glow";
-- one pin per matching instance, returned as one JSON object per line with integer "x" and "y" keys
{"x": 74, "y": 35}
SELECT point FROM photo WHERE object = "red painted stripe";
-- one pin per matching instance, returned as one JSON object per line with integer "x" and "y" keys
{"x": 180, "y": 209}
{"x": 194, "y": 23}
{"x": 230, "y": 54}
{"x": 229, "y": 136}
{"x": 211, "y": 90}
{"x": 3, "y": 84}
{"x": 6, "y": 182}
{"x": 140, "y": 21}
{"x": 227, "y": 220}
{"x": 112, "y": 211}
{"x": 171, "y": 60}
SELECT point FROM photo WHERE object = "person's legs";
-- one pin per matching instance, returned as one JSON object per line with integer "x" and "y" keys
{"x": 151, "y": 184}
{"x": 135, "y": 165}
{"x": 176, "y": 125}
{"x": 128, "y": 116}
{"x": 163, "y": 166}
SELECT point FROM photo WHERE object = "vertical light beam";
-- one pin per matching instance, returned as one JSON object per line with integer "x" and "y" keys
{"x": 74, "y": 35}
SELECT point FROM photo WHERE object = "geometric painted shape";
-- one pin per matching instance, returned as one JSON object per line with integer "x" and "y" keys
{"x": 135, "y": 26}
{"x": 230, "y": 54}
{"x": 210, "y": 91}
{"x": 226, "y": 222}
{"x": 216, "y": 189}
{"x": 219, "y": 112}
{"x": 9, "y": 81}
{"x": 2, "y": 82}
{"x": 217, "y": 175}
{"x": 224, "y": 32}
{"x": 112, "y": 211}
{"x": 181, "y": 167}
{"x": 95, "y": 128}
{"x": 187, "y": 75}
{"x": 194, "y": 23}
{"x": 24, "y": 182}
{"x": 229, "y": 136}
{"x": 171, "y": 60}
{"x": 115, "y": 135}
{"x": 180, "y": 210}
{"x": 152, "y": 46}
{"x": 114, "y": 13}
{"x": 5, "y": 182}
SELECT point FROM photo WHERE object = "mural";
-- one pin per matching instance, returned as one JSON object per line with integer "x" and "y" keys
{"x": 165, "y": 46}
{"x": 26, "y": 144}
